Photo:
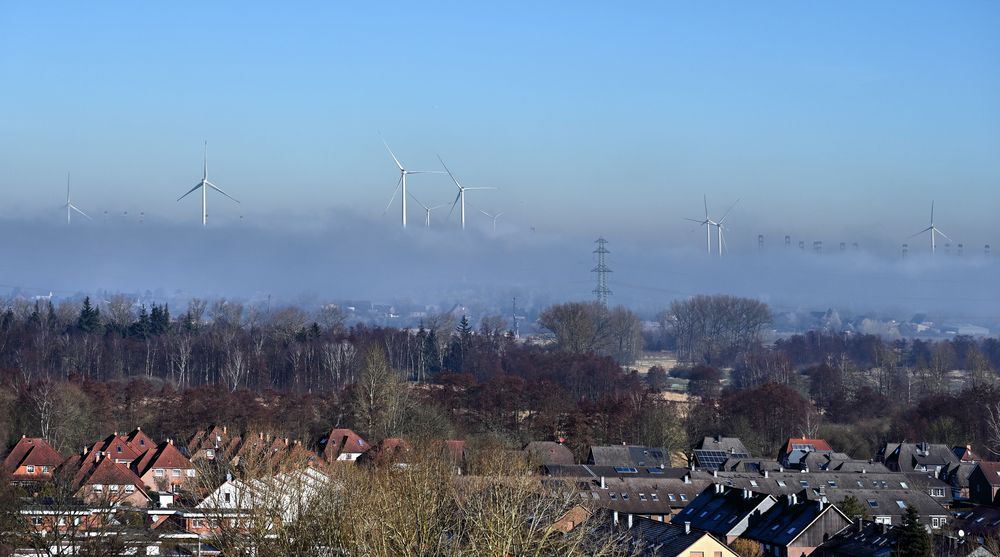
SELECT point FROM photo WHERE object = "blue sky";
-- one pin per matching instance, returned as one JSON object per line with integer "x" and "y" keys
{"x": 836, "y": 121}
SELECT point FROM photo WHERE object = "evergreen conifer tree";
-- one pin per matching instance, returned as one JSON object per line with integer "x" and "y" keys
{"x": 913, "y": 539}
{"x": 90, "y": 317}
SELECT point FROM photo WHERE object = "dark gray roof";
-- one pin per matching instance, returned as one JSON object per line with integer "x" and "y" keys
{"x": 594, "y": 471}
{"x": 722, "y": 511}
{"x": 789, "y": 518}
{"x": 866, "y": 539}
{"x": 628, "y": 455}
{"x": 653, "y": 537}
{"x": 980, "y": 520}
{"x": 909, "y": 456}
{"x": 545, "y": 452}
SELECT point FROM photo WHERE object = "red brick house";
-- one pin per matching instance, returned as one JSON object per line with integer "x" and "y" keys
{"x": 118, "y": 447}
{"x": 32, "y": 459}
{"x": 140, "y": 439}
{"x": 164, "y": 468}
{"x": 102, "y": 480}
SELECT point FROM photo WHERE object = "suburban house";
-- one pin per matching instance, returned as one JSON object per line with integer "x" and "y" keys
{"x": 164, "y": 468}
{"x": 283, "y": 495}
{"x": 342, "y": 445}
{"x": 984, "y": 481}
{"x": 628, "y": 456}
{"x": 118, "y": 447}
{"x": 724, "y": 512}
{"x": 31, "y": 459}
{"x": 656, "y": 493}
{"x": 797, "y": 449}
{"x": 100, "y": 480}
{"x": 207, "y": 444}
{"x": 548, "y": 452}
{"x": 139, "y": 439}
{"x": 795, "y": 526}
{"x": 714, "y": 451}
{"x": 917, "y": 457}
{"x": 862, "y": 539}
{"x": 663, "y": 539}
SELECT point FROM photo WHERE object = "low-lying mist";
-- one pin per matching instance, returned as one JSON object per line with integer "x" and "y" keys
{"x": 351, "y": 258}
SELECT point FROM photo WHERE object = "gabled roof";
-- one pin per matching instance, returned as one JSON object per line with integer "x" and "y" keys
{"x": 912, "y": 455}
{"x": 783, "y": 523}
{"x": 33, "y": 451}
{"x": 628, "y": 455}
{"x": 140, "y": 439}
{"x": 109, "y": 472}
{"x": 665, "y": 538}
{"x": 119, "y": 447}
{"x": 721, "y": 510}
{"x": 549, "y": 452}
{"x": 991, "y": 471}
{"x": 965, "y": 454}
{"x": 165, "y": 455}
{"x": 806, "y": 444}
{"x": 339, "y": 441}
{"x": 866, "y": 539}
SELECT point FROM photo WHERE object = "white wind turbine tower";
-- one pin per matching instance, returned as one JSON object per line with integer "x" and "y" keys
{"x": 427, "y": 210}
{"x": 70, "y": 207}
{"x": 403, "y": 173}
{"x": 708, "y": 224}
{"x": 461, "y": 192}
{"x": 494, "y": 217}
{"x": 204, "y": 184}
{"x": 933, "y": 230}
{"x": 718, "y": 226}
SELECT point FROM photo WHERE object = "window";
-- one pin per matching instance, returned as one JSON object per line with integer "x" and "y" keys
{"x": 654, "y": 496}
{"x": 831, "y": 483}
{"x": 642, "y": 496}
{"x": 130, "y": 488}
{"x": 190, "y": 472}
{"x": 227, "y": 497}
{"x": 196, "y": 523}
{"x": 775, "y": 527}
{"x": 98, "y": 487}
{"x": 781, "y": 483}
{"x": 613, "y": 495}
{"x": 903, "y": 485}
{"x": 113, "y": 488}
{"x": 790, "y": 530}
{"x": 935, "y": 522}
{"x": 684, "y": 497}
{"x": 158, "y": 472}
{"x": 697, "y": 554}
{"x": 624, "y": 496}
{"x": 753, "y": 483}
{"x": 804, "y": 483}
{"x": 45, "y": 469}
{"x": 210, "y": 453}
{"x": 883, "y": 520}
{"x": 626, "y": 470}
{"x": 873, "y": 503}
{"x": 36, "y": 521}
{"x": 671, "y": 497}
{"x": 176, "y": 472}
{"x": 703, "y": 513}
{"x": 901, "y": 504}
{"x": 118, "y": 449}
{"x": 31, "y": 469}
{"x": 717, "y": 516}
{"x": 937, "y": 492}
{"x": 861, "y": 484}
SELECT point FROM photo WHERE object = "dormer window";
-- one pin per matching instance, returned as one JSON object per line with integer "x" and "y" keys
{"x": 30, "y": 469}
{"x": 142, "y": 442}
{"x": 118, "y": 449}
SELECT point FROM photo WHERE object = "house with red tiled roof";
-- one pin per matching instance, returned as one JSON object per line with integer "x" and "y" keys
{"x": 140, "y": 439}
{"x": 797, "y": 449}
{"x": 984, "y": 482}
{"x": 206, "y": 444}
{"x": 392, "y": 450}
{"x": 31, "y": 459}
{"x": 164, "y": 468}
{"x": 118, "y": 447}
{"x": 99, "y": 479}
{"x": 342, "y": 445}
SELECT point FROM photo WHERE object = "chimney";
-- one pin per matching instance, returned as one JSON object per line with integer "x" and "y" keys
{"x": 718, "y": 438}
{"x": 603, "y": 486}
{"x": 819, "y": 503}
{"x": 715, "y": 473}
{"x": 765, "y": 473}
{"x": 138, "y": 428}
{"x": 687, "y": 478}
{"x": 793, "y": 499}
{"x": 687, "y": 527}
{"x": 884, "y": 527}
{"x": 23, "y": 436}
{"x": 630, "y": 521}
{"x": 171, "y": 441}
{"x": 746, "y": 493}
{"x": 614, "y": 518}
{"x": 223, "y": 430}
{"x": 781, "y": 468}
{"x": 859, "y": 523}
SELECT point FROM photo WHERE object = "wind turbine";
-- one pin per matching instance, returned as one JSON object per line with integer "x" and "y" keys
{"x": 708, "y": 223}
{"x": 427, "y": 210}
{"x": 933, "y": 230}
{"x": 204, "y": 184}
{"x": 403, "y": 173}
{"x": 461, "y": 192}
{"x": 494, "y": 217}
{"x": 70, "y": 207}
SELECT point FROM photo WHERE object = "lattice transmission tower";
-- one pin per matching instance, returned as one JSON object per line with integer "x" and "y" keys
{"x": 602, "y": 291}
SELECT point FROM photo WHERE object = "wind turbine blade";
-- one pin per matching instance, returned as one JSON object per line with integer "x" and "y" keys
{"x": 919, "y": 233}
{"x": 702, "y": 222}
{"x": 453, "y": 203}
{"x": 190, "y": 190}
{"x": 498, "y": 214}
{"x": 216, "y": 188}
{"x": 413, "y": 197}
{"x": 726, "y": 214}
{"x": 391, "y": 153}
{"x": 932, "y": 213}
{"x": 483, "y": 188}
{"x": 67, "y": 188}
{"x": 485, "y": 213}
{"x": 438, "y": 206}
{"x": 705, "y": 199}
{"x": 938, "y": 230}
{"x": 453, "y": 179}
{"x": 399, "y": 183}
{"x": 424, "y": 172}
{"x": 73, "y": 207}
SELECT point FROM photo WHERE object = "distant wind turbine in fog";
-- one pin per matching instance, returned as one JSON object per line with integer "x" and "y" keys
{"x": 933, "y": 230}
{"x": 70, "y": 207}
{"x": 461, "y": 192}
{"x": 494, "y": 217}
{"x": 427, "y": 210}
{"x": 403, "y": 173}
{"x": 204, "y": 184}
{"x": 708, "y": 223}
